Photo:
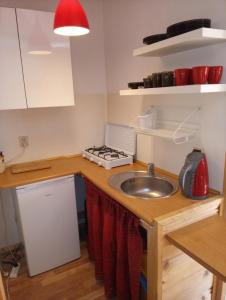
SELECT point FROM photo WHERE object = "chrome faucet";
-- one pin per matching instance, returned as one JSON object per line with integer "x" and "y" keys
{"x": 151, "y": 169}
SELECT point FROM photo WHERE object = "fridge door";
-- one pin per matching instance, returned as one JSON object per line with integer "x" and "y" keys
{"x": 49, "y": 223}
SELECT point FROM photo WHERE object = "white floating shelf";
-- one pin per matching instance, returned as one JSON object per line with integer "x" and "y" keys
{"x": 186, "y": 89}
{"x": 190, "y": 40}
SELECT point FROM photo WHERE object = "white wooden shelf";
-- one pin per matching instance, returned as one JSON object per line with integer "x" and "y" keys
{"x": 190, "y": 40}
{"x": 186, "y": 89}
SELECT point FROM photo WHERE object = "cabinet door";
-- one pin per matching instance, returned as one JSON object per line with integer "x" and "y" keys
{"x": 48, "y": 217}
{"x": 48, "y": 77}
{"x": 12, "y": 94}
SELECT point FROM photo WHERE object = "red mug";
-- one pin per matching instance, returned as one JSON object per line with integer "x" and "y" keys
{"x": 182, "y": 76}
{"x": 215, "y": 74}
{"x": 200, "y": 74}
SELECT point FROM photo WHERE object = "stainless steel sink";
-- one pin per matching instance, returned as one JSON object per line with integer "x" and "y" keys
{"x": 140, "y": 184}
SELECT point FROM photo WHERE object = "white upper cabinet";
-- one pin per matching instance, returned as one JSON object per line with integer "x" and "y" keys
{"x": 12, "y": 94}
{"x": 46, "y": 60}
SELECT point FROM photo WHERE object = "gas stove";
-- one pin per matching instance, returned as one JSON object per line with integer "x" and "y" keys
{"x": 110, "y": 155}
{"x": 107, "y": 157}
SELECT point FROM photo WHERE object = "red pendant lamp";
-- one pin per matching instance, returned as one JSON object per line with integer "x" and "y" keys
{"x": 70, "y": 19}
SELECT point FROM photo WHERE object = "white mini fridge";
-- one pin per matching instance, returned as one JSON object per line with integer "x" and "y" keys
{"x": 49, "y": 224}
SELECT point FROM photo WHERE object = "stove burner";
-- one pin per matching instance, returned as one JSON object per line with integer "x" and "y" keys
{"x": 115, "y": 155}
{"x": 99, "y": 148}
{"x": 94, "y": 149}
{"x": 101, "y": 153}
{"x": 121, "y": 153}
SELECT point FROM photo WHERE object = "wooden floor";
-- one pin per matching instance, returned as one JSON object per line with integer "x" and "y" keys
{"x": 74, "y": 281}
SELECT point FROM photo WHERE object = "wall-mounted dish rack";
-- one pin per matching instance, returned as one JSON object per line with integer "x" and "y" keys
{"x": 179, "y": 133}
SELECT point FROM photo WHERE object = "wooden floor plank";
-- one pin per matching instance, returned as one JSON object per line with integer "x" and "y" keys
{"x": 73, "y": 281}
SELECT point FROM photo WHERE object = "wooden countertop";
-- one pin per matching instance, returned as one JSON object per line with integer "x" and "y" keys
{"x": 204, "y": 241}
{"x": 147, "y": 210}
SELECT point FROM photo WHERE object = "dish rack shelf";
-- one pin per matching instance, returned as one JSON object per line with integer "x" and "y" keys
{"x": 186, "y": 89}
{"x": 178, "y": 132}
{"x": 184, "y": 136}
{"x": 194, "y": 39}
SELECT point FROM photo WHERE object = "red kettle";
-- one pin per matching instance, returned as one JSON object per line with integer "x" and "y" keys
{"x": 193, "y": 177}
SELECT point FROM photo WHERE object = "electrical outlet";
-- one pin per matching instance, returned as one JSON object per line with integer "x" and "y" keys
{"x": 23, "y": 141}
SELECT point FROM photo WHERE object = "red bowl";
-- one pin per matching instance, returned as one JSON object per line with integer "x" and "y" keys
{"x": 182, "y": 76}
{"x": 215, "y": 74}
{"x": 200, "y": 74}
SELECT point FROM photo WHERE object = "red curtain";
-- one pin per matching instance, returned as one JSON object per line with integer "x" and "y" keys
{"x": 109, "y": 246}
{"x": 95, "y": 228}
{"x": 114, "y": 243}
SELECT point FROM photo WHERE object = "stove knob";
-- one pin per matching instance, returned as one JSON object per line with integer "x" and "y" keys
{"x": 99, "y": 163}
{"x": 91, "y": 159}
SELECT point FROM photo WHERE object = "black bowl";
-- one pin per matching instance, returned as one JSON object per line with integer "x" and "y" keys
{"x": 135, "y": 85}
{"x": 154, "y": 38}
{"x": 186, "y": 26}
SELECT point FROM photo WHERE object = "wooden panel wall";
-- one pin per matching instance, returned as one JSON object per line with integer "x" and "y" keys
{"x": 184, "y": 278}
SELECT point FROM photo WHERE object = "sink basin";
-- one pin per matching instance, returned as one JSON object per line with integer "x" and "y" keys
{"x": 141, "y": 185}
{"x": 147, "y": 187}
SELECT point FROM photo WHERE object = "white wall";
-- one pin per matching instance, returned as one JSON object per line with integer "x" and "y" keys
{"x": 126, "y": 24}
{"x": 59, "y": 131}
